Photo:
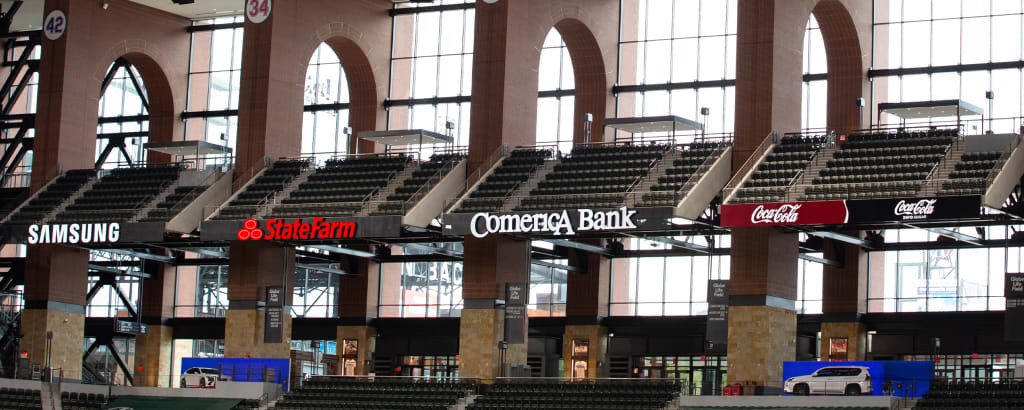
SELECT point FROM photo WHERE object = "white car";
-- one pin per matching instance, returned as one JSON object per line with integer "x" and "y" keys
{"x": 201, "y": 377}
{"x": 848, "y": 380}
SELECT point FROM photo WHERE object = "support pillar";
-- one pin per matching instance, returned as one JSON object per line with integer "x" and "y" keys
{"x": 489, "y": 264}
{"x": 56, "y": 280}
{"x": 153, "y": 361}
{"x": 586, "y": 306}
{"x": 356, "y": 359}
{"x": 844, "y": 301}
{"x": 254, "y": 266}
{"x": 358, "y": 299}
{"x": 762, "y": 306}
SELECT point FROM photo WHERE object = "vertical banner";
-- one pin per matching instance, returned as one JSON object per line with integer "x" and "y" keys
{"x": 717, "y": 334}
{"x": 515, "y": 313}
{"x": 272, "y": 320}
{"x": 1014, "y": 316}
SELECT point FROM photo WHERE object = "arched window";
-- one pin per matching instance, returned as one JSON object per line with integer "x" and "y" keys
{"x": 325, "y": 98}
{"x": 813, "y": 110}
{"x": 555, "y": 101}
{"x": 124, "y": 117}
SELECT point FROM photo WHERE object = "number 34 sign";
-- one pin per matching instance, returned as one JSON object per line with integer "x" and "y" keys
{"x": 55, "y": 24}
{"x": 257, "y": 11}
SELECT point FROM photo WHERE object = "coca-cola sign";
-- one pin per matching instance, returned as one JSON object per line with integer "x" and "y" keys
{"x": 784, "y": 213}
{"x": 919, "y": 209}
{"x": 896, "y": 210}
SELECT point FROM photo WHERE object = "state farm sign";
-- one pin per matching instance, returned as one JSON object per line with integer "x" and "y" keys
{"x": 297, "y": 229}
{"x": 785, "y": 213}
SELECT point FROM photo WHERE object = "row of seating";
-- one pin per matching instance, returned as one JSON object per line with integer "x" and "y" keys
{"x": 490, "y": 194}
{"x": 20, "y": 399}
{"x": 780, "y": 166}
{"x": 119, "y": 195}
{"x": 272, "y": 180}
{"x": 588, "y": 170}
{"x": 968, "y": 395}
{"x": 605, "y": 395}
{"x": 342, "y": 186}
{"x": 419, "y": 183}
{"x": 173, "y": 203}
{"x": 82, "y": 401}
{"x": 666, "y": 191}
{"x": 51, "y": 197}
{"x": 351, "y": 393}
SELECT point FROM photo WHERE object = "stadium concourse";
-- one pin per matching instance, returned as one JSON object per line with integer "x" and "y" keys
{"x": 511, "y": 204}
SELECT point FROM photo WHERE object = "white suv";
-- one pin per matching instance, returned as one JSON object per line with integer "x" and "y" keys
{"x": 848, "y": 380}
{"x": 201, "y": 377}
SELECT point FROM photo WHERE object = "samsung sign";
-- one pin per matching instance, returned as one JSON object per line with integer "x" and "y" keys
{"x": 556, "y": 223}
{"x": 73, "y": 233}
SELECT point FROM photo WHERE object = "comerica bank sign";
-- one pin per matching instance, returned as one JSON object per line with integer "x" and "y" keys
{"x": 73, "y": 233}
{"x": 555, "y": 223}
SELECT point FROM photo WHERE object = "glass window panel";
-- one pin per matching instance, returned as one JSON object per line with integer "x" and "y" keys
{"x": 1007, "y": 36}
{"x": 945, "y": 9}
{"x": 425, "y": 77}
{"x": 451, "y": 31}
{"x": 687, "y": 18}
{"x": 659, "y": 19}
{"x": 975, "y": 40}
{"x": 972, "y": 8}
{"x": 712, "y": 17}
{"x": 915, "y": 10}
{"x": 549, "y": 67}
{"x": 712, "y": 58}
{"x": 684, "y": 64}
{"x": 916, "y": 44}
{"x": 657, "y": 67}
{"x": 945, "y": 42}
{"x": 427, "y": 33}
{"x": 678, "y": 279}
{"x": 449, "y": 83}
{"x": 945, "y": 86}
{"x": 1007, "y": 103}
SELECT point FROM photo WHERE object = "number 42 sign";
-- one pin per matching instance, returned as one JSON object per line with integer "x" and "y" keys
{"x": 257, "y": 11}
{"x": 55, "y": 24}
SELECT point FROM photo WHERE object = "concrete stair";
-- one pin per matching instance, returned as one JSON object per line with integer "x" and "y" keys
{"x": 70, "y": 200}
{"x": 286, "y": 192}
{"x": 523, "y": 190}
{"x": 813, "y": 170}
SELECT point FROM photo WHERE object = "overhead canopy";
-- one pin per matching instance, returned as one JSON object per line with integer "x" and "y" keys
{"x": 667, "y": 123}
{"x": 405, "y": 137}
{"x": 184, "y": 148}
{"x": 930, "y": 109}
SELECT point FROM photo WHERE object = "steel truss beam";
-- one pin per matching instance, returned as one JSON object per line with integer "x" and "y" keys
{"x": 842, "y": 238}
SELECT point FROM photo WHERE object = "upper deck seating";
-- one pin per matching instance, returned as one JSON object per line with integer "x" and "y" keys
{"x": 118, "y": 196}
{"x": 273, "y": 180}
{"x": 51, "y": 197}
{"x": 341, "y": 187}
{"x": 490, "y": 194}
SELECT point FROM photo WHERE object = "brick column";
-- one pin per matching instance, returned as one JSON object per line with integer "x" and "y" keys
{"x": 358, "y": 295}
{"x": 844, "y": 297}
{"x": 254, "y": 266}
{"x": 488, "y": 265}
{"x": 71, "y": 72}
{"x": 586, "y": 305}
{"x": 153, "y": 349}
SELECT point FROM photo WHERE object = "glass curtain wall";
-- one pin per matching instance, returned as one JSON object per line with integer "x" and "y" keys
{"x": 215, "y": 70}
{"x": 941, "y": 279}
{"x": 950, "y": 49}
{"x": 432, "y": 68}
{"x": 678, "y": 57}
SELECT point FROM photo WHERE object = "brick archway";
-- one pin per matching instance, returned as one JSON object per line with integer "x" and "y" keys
{"x": 591, "y": 86}
{"x": 162, "y": 118}
{"x": 846, "y": 74}
{"x": 362, "y": 87}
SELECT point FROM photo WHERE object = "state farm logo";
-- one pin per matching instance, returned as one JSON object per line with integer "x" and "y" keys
{"x": 250, "y": 230}
{"x": 785, "y": 213}
{"x": 920, "y": 209}
{"x": 297, "y": 229}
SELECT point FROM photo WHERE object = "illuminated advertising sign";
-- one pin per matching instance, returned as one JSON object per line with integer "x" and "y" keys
{"x": 564, "y": 222}
{"x": 74, "y": 233}
{"x": 785, "y": 213}
{"x": 297, "y": 229}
